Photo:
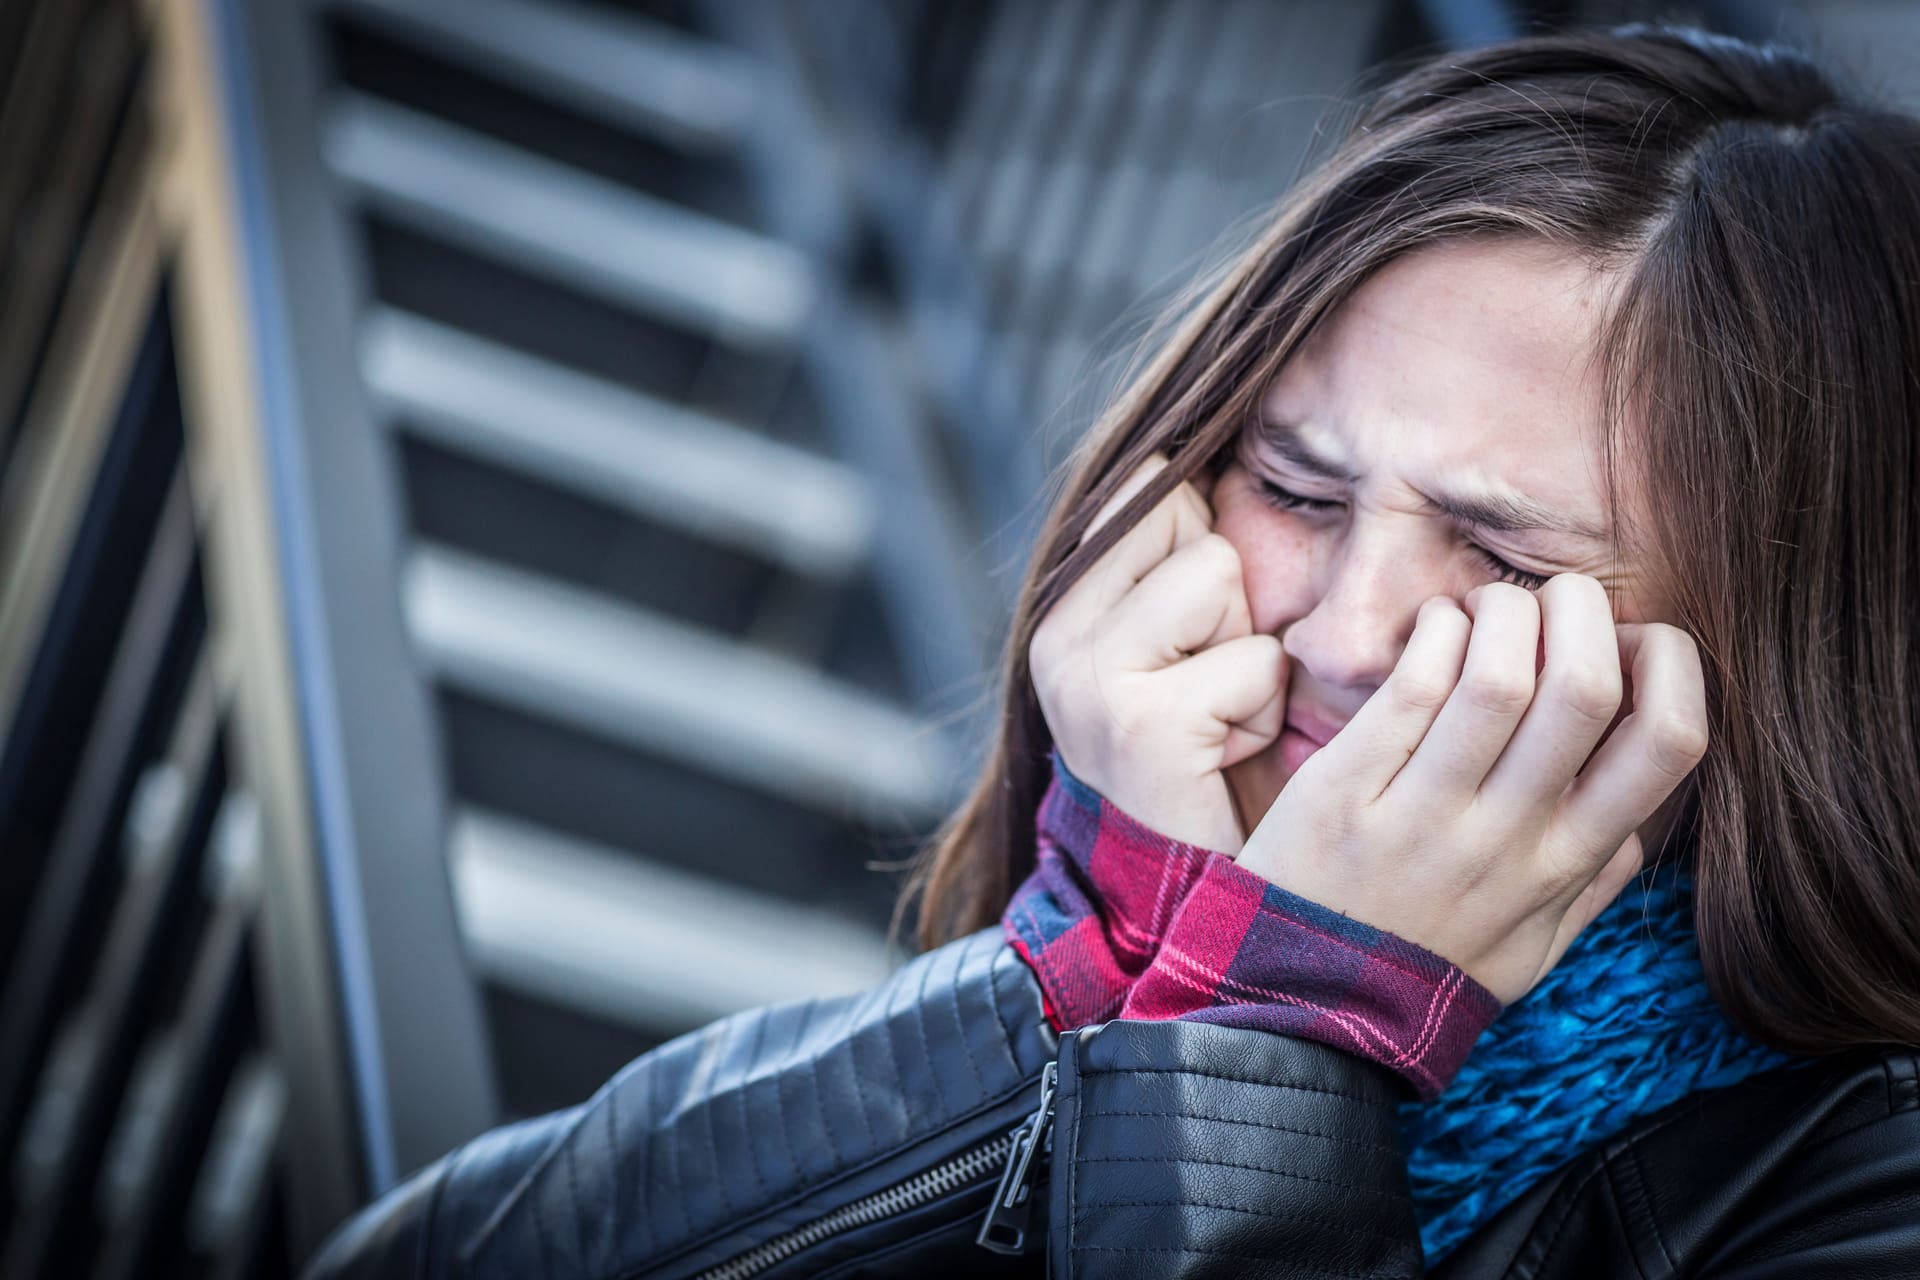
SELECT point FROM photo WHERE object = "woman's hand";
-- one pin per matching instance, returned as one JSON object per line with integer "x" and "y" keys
{"x": 1150, "y": 676}
{"x": 1459, "y": 808}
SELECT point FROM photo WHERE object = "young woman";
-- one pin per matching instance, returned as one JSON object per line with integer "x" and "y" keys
{"x": 1499, "y": 598}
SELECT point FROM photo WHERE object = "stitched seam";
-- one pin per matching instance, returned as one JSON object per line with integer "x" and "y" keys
{"x": 960, "y": 1026}
{"x": 575, "y": 1203}
{"x": 1294, "y": 1269}
{"x": 1256, "y": 1168}
{"x": 996, "y": 966}
{"x": 1694, "y": 1106}
{"x": 851, "y": 1044}
{"x": 753, "y": 1071}
{"x": 739, "y": 1091}
{"x": 540, "y": 1228}
{"x": 1375, "y": 1232}
{"x": 899, "y": 1078}
{"x": 1620, "y": 1215}
{"x": 671, "y": 1141}
{"x": 1073, "y": 1154}
{"x": 619, "y": 1161}
{"x": 811, "y": 1070}
{"x": 1653, "y": 1216}
{"x": 1381, "y": 1147}
{"x": 647, "y": 1213}
{"x": 681, "y": 1249}
{"x": 1226, "y": 1079}
{"x": 1566, "y": 1212}
{"x": 707, "y": 1105}
{"x": 919, "y": 1014}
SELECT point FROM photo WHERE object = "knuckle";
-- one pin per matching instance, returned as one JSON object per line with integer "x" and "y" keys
{"x": 1511, "y": 594}
{"x": 1569, "y": 583}
{"x": 1668, "y": 643}
{"x": 1420, "y": 692}
{"x": 1216, "y": 556}
{"x": 1677, "y": 743}
{"x": 1589, "y": 690}
{"x": 1498, "y": 692}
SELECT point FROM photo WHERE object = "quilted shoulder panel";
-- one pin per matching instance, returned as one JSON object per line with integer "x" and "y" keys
{"x": 705, "y": 1133}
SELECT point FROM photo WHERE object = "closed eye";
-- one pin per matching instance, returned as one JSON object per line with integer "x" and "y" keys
{"x": 1510, "y": 573}
{"x": 1287, "y": 500}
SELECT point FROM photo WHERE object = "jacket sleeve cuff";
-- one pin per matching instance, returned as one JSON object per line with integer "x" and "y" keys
{"x": 1104, "y": 889}
{"x": 1244, "y": 952}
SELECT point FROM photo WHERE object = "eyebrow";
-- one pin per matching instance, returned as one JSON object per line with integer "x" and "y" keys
{"x": 1500, "y": 512}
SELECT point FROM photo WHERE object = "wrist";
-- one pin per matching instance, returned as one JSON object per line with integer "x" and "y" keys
{"x": 1105, "y": 887}
{"x": 1244, "y": 952}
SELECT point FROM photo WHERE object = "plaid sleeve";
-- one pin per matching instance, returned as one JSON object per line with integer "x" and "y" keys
{"x": 1244, "y": 952}
{"x": 1103, "y": 890}
{"x": 1119, "y": 921}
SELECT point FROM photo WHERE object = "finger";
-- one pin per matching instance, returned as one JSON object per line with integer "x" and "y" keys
{"x": 1192, "y": 600}
{"x": 1595, "y": 898}
{"x": 1173, "y": 522}
{"x": 1577, "y": 695}
{"x": 1495, "y": 688}
{"x": 1240, "y": 683}
{"x": 1257, "y": 732}
{"x": 1376, "y": 744}
{"x": 1654, "y": 748}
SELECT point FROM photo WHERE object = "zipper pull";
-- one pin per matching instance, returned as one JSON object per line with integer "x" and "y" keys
{"x": 1005, "y": 1230}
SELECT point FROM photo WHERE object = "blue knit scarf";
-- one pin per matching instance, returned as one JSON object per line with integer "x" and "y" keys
{"x": 1621, "y": 1027}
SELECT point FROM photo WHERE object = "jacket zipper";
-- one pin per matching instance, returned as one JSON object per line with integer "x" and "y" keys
{"x": 1005, "y": 1227}
{"x": 1012, "y": 1151}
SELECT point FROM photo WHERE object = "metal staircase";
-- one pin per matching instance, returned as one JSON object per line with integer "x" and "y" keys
{"x": 509, "y": 508}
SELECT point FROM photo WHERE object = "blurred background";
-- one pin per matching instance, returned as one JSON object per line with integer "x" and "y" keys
{"x": 507, "y": 511}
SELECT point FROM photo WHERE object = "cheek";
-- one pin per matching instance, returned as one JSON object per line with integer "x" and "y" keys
{"x": 1278, "y": 552}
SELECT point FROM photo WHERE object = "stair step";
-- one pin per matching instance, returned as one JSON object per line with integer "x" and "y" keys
{"x": 652, "y": 682}
{"x": 584, "y": 434}
{"x": 569, "y": 226}
{"x": 614, "y": 935}
{"x": 689, "y": 92}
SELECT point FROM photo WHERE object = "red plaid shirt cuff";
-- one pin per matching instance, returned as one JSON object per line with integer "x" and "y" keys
{"x": 1104, "y": 888}
{"x": 1120, "y": 921}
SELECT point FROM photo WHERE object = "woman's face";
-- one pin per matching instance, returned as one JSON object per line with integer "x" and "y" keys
{"x": 1442, "y": 430}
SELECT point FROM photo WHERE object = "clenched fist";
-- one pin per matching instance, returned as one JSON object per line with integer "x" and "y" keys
{"x": 1149, "y": 673}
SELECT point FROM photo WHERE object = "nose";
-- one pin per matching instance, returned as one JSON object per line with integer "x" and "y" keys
{"x": 1352, "y": 635}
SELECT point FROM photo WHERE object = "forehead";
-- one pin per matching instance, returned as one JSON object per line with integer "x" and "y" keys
{"x": 1465, "y": 365}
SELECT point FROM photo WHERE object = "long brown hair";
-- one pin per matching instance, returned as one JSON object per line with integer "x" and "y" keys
{"x": 1763, "y": 360}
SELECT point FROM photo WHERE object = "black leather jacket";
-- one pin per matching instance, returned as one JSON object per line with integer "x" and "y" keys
{"x": 866, "y": 1136}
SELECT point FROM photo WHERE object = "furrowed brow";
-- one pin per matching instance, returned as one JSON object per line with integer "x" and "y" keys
{"x": 1512, "y": 513}
{"x": 1284, "y": 438}
{"x": 1496, "y": 512}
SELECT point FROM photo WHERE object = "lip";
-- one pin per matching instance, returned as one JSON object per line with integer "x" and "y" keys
{"x": 1316, "y": 728}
